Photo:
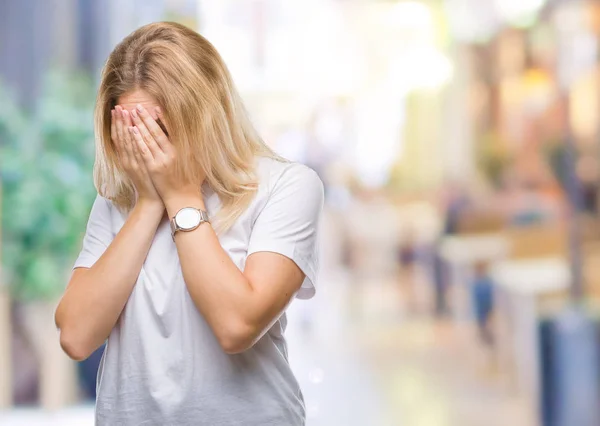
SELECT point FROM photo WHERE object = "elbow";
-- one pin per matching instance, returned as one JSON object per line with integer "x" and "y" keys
{"x": 68, "y": 342}
{"x": 237, "y": 338}
{"x": 74, "y": 341}
{"x": 75, "y": 348}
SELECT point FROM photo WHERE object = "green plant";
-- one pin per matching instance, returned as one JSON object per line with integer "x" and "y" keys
{"x": 46, "y": 159}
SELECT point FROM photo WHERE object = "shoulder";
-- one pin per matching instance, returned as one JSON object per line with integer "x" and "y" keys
{"x": 103, "y": 203}
{"x": 289, "y": 177}
{"x": 103, "y": 209}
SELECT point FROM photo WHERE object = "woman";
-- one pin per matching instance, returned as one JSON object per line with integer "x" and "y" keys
{"x": 198, "y": 240}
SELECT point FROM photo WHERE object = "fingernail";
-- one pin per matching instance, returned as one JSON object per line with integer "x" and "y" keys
{"x": 134, "y": 113}
{"x": 158, "y": 111}
{"x": 140, "y": 108}
{"x": 125, "y": 113}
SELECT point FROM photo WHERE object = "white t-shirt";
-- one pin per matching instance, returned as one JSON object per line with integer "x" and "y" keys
{"x": 162, "y": 364}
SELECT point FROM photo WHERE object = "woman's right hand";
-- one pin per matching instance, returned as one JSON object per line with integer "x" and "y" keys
{"x": 130, "y": 159}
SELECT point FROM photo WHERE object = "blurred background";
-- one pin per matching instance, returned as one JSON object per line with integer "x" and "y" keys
{"x": 459, "y": 144}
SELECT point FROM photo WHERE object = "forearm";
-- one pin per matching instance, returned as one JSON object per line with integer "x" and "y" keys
{"x": 220, "y": 291}
{"x": 95, "y": 297}
{"x": 217, "y": 286}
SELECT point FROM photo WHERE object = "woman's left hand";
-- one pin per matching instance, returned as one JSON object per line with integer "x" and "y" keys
{"x": 159, "y": 155}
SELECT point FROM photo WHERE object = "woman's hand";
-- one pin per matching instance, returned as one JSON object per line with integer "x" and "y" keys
{"x": 160, "y": 157}
{"x": 130, "y": 158}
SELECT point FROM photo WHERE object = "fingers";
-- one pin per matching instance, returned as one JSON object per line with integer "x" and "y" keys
{"x": 138, "y": 159}
{"x": 118, "y": 142}
{"x": 140, "y": 164}
{"x": 135, "y": 152}
{"x": 126, "y": 139}
{"x": 127, "y": 123}
{"x": 140, "y": 119}
{"x": 119, "y": 123}
{"x": 119, "y": 134}
{"x": 141, "y": 147}
{"x": 131, "y": 159}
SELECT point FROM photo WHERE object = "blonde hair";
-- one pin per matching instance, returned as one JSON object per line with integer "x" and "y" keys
{"x": 206, "y": 119}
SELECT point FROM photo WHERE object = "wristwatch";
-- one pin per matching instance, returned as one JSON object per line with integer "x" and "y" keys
{"x": 187, "y": 219}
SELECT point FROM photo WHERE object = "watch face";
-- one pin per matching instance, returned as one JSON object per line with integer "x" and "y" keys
{"x": 188, "y": 218}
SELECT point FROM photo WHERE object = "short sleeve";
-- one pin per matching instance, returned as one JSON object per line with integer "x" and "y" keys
{"x": 98, "y": 234}
{"x": 289, "y": 222}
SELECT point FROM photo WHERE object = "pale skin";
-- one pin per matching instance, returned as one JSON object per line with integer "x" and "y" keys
{"x": 239, "y": 306}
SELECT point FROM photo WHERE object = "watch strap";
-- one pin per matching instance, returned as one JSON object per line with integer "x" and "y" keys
{"x": 203, "y": 216}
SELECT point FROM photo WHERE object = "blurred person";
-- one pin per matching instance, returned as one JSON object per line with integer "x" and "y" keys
{"x": 482, "y": 293}
{"x": 441, "y": 280}
{"x": 455, "y": 202}
{"x": 198, "y": 240}
{"x": 407, "y": 251}
{"x": 407, "y": 257}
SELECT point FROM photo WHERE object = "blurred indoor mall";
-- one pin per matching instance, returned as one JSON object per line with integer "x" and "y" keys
{"x": 459, "y": 145}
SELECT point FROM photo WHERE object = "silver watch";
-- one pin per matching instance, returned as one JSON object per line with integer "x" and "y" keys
{"x": 187, "y": 219}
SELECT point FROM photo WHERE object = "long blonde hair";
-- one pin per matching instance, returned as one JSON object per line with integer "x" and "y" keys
{"x": 207, "y": 121}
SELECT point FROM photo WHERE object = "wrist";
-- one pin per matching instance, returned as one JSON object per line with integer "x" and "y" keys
{"x": 176, "y": 201}
{"x": 152, "y": 206}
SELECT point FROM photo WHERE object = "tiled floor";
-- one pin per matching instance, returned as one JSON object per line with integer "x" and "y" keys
{"x": 363, "y": 361}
